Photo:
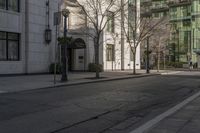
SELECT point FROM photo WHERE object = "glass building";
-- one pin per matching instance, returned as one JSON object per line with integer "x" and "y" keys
{"x": 184, "y": 21}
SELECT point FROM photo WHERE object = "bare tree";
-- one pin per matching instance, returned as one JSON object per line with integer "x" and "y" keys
{"x": 160, "y": 38}
{"x": 137, "y": 28}
{"x": 96, "y": 12}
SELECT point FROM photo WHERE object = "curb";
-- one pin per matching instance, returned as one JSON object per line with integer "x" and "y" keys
{"x": 169, "y": 73}
{"x": 148, "y": 125}
{"x": 104, "y": 80}
{"x": 86, "y": 82}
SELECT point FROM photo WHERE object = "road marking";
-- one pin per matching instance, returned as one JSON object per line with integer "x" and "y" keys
{"x": 168, "y": 73}
{"x": 151, "y": 123}
{"x": 3, "y": 91}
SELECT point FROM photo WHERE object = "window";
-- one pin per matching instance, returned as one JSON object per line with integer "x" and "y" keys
{"x": 111, "y": 22}
{"x": 156, "y": 15}
{"x": 186, "y": 23}
{"x": 2, "y": 4}
{"x": 110, "y": 52}
{"x": 12, "y": 5}
{"x": 131, "y": 1}
{"x": 131, "y": 54}
{"x": 131, "y": 22}
{"x": 185, "y": 11}
{"x": 2, "y": 46}
{"x": 9, "y": 46}
{"x": 198, "y": 42}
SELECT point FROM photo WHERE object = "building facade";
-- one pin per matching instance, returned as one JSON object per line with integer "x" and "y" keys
{"x": 115, "y": 53}
{"x": 23, "y": 48}
{"x": 11, "y": 38}
{"x": 24, "y": 44}
{"x": 184, "y": 18}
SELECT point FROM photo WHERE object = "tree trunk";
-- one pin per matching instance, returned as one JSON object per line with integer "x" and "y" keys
{"x": 97, "y": 61}
{"x": 135, "y": 37}
{"x": 96, "y": 47}
{"x": 122, "y": 35}
{"x": 134, "y": 61}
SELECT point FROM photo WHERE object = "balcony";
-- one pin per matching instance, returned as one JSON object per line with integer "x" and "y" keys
{"x": 184, "y": 16}
{"x": 146, "y": 14}
{"x": 175, "y": 3}
{"x": 160, "y": 8}
{"x": 145, "y": 2}
{"x": 180, "y": 18}
{"x": 195, "y": 13}
{"x": 145, "y": 10}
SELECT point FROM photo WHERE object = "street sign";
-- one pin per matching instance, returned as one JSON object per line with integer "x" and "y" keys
{"x": 57, "y": 18}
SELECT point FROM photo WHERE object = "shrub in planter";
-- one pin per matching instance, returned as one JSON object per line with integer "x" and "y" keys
{"x": 179, "y": 64}
{"x": 58, "y": 68}
{"x": 92, "y": 67}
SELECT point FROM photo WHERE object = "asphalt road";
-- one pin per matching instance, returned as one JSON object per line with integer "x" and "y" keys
{"x": 108, "y": 107}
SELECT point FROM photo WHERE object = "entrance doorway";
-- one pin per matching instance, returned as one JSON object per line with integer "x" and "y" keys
{"x": 73, "y": 58}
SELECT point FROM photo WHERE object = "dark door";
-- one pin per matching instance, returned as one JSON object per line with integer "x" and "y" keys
{"x": 69, "y": 55}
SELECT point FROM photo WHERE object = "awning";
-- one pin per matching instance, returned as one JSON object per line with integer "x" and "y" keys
{"x": 77, "y": 43}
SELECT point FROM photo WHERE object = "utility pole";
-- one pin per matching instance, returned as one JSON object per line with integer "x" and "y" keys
{"x": 147, "y": 68}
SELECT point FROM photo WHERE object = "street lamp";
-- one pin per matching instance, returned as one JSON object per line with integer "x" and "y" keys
{"x": 48, "y": 35}
{"x": 147, "y": 67}
{"x": 48, "y": 30}
{"x": 65, "y": 13}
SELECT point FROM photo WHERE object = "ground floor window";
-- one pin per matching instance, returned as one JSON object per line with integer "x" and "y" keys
{"x": 2, "y": 4}
{"x": 110, "y": 52}
{"x": 12, "y": 5}
{"x": 9, "y": 46}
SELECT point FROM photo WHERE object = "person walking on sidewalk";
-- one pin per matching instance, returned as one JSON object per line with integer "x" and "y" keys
{"x": 190, "y": 64}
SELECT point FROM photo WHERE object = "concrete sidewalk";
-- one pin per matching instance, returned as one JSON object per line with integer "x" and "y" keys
{"x": 181, "y": 118}
{"x": 29, "y": 82}
{"x": 186, "y": 120}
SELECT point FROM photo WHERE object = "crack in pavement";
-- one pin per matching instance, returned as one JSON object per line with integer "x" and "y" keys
{"x": 80, "y": 122}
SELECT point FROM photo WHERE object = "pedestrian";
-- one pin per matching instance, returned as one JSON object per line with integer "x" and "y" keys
{"x": 190, "y": 64}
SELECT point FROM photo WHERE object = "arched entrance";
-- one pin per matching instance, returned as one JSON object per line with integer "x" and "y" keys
{"x": 197, "y": 51}
{"x": 77, "y": 59}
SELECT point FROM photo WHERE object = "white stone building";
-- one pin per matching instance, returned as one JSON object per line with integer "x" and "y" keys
{"x": 115, "y": 52}
{"x": 23, "y": 48}
{"x": 22, "y": 44}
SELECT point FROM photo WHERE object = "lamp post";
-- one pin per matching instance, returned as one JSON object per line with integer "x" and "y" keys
{"x": 48, "y": 30}
{"x": 65, "y": 13}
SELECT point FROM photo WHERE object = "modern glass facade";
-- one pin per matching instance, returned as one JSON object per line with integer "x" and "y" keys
{"x": 195, "y": 26}
{"x": 184, "y": 19}
{"x": 180, "y": 20}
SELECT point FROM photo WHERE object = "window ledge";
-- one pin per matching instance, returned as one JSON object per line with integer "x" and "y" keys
{"x": 9, "y": 12}
{"x": 9, "y": 61}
